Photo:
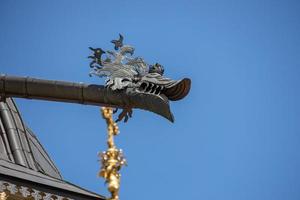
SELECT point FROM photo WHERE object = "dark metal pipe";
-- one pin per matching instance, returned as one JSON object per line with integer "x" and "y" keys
{"x": 98, "y": 95}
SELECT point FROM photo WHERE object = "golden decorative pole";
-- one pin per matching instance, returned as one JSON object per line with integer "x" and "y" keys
{"x": 3, "y": 196}
{"x": 111, "y": 160}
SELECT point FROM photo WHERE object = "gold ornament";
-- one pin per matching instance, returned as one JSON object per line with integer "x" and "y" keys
{"x": 113, "y": 159}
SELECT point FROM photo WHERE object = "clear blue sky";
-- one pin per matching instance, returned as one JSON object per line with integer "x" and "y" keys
{"x": 237, "y": 134}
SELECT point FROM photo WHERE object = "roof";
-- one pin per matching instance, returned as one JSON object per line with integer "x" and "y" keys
{"x": 24, "y": 159}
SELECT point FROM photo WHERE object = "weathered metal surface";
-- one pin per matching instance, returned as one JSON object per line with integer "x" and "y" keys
{"x": 125, "y": 72}
{"x": 32, "y": 88}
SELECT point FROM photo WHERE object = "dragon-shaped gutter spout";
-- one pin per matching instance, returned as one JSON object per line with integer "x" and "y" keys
{"x": 134, "y": 76}
{"x": 131, "y": 83}
{"x": 96, "y": 95}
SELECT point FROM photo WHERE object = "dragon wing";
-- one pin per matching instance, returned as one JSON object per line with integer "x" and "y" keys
{"x": 118, "y": 76}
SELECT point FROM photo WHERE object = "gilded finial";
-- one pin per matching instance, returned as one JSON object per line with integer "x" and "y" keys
{"x": 113, "y": 159}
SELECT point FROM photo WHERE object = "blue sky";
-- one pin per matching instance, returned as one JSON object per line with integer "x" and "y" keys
{"x": 236, "y": 136}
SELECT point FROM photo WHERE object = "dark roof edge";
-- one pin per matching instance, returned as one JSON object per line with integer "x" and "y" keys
{"x": 41, "y": 146}
{"x": 52, "y": 185}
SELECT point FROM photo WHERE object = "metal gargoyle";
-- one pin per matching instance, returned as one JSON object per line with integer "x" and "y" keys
{"x": 124, "y": 72}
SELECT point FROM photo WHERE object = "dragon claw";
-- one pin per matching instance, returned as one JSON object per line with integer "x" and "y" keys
{"x": 125, "y": 114}
{"x": 115, "y": 110}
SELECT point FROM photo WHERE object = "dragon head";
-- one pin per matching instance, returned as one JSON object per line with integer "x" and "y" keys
{"x": 134, "y": 77}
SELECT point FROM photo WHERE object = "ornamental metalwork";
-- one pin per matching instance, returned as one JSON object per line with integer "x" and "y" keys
{"x": 113, "y": 159}
{"x": 9, "y": 189}
{"x": 125, "y": 72}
